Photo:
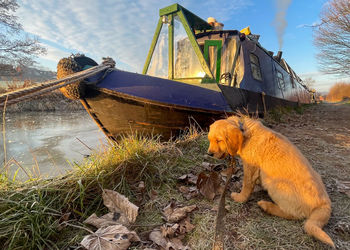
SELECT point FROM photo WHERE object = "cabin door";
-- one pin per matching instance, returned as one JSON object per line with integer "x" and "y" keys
{"x": 212, "y": 53}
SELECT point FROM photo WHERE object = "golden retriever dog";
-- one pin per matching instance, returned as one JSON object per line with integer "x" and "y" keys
{"x": 294, "y": 186}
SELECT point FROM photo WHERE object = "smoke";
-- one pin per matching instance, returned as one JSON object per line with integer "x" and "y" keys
{"x": 280, "y": 21}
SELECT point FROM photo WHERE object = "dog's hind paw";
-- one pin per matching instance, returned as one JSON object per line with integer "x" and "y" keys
{"x": 238, "y": 197}
{"x": 263, "y": 204}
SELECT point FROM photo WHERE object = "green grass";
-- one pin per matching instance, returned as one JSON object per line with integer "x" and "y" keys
{"x": 32, "y": 211}
{"x": 279, "y": 113}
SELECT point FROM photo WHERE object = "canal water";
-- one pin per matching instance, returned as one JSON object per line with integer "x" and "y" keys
{"x": 48, "y": 143}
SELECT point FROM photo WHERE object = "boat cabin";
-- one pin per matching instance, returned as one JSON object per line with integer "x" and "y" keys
{"x": 188, "y": 49}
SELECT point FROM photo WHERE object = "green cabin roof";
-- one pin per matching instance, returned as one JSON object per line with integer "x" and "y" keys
{"x": 195, "y": 22}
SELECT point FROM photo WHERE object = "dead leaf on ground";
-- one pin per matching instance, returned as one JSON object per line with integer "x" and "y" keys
{"x": 185, "y": 226}
{"x": 117, "y": 202}
{"x": 109, "y": 219}
{"x": 141, "y": 187}
{"x": 175, "y": 214}
{"x": 153, "y": 194}
{"x": 169, "y": 230}
{"x": 208, "y": 186}
{"x": 343, "y": 187}
{"x": 176, "y": 244}
{"x": 115, "y": 237}
{"x": 188, "y": 192}
{"x": 157, "y": 237}
{"x": 213, "y": 167}
{"x": 188, "y": 178}
{"x": 165, "y": 243}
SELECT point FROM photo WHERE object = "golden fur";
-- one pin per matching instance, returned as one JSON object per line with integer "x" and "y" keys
{"x": 294, "y": 186}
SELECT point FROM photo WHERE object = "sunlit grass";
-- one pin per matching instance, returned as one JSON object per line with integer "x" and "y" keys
{"x": 32, "y": 210}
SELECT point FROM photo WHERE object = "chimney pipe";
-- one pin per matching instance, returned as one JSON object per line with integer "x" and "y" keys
{"x": 279, "y": 56}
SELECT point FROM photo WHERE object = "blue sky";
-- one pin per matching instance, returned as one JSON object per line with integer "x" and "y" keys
{"x": 123, "y": 29}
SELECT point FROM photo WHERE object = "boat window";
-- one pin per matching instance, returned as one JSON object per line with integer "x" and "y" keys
{"x": 255, "y": 66}
{"x": 159, "y": 63}
{"x": 212, "y": 53}
{"x": 231, "y": 70}
{"x": 186, "y": 63}
{"x": 280, "y": 80}
{"x": 212, "y": 58}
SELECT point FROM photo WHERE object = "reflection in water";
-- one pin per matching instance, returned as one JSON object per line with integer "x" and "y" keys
{"x": 49, "y": 140}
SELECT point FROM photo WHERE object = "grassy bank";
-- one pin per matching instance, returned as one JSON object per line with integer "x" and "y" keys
{"x": 48, "y": 214}
{"x": 33, "y": 212}
{"x": 54, "y": 101}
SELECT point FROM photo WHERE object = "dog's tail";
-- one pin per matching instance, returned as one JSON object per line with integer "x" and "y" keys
{"x": 313, "y": 225}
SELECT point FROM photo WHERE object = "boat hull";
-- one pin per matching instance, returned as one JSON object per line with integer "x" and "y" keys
{"x": 119, "y": 114}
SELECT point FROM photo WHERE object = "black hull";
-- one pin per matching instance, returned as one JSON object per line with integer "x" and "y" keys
{"x": 118, "y": 114}
{"x": 252, "y": 102}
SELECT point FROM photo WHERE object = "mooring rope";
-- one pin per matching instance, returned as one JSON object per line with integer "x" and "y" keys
{"x": 48, "y": 86}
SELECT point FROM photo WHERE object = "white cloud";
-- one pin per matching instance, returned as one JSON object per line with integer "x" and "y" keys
{"x": 54, "y": 54}
{"x": 120, "y": 29}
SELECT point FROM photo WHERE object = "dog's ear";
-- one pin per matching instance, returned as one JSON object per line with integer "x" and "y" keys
{"x": 234, "y": 139}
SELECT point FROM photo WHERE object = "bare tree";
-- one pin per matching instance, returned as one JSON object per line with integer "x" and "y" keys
{"x": 332, "y": 37}
{"x": 309, "y": 82}
{"x": 16, "y": 48}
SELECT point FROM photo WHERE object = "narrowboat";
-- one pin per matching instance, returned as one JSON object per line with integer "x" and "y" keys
{"x": 195, "y": 73}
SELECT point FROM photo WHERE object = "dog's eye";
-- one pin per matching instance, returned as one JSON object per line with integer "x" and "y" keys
{"x": 218, "y": 141}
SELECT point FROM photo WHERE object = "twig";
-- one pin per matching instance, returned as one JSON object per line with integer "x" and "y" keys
{"x": 220, "y": 225}
{"x": 83, "y": 143}
{"x": 4, "y": 130}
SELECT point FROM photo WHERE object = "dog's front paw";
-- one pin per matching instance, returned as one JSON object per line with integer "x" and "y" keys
{"x": 238, "y": 197}
{"x": 263, "y": 204}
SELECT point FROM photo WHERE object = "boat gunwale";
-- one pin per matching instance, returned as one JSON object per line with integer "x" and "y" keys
{"x": 157, "y": 103}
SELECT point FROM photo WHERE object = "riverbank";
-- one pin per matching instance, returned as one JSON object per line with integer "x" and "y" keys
{"x": 54, "y": 101}
{"x": 50, "y": 213}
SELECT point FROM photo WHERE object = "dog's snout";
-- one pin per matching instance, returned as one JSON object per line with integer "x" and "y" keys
{"x": 210, "y": 153}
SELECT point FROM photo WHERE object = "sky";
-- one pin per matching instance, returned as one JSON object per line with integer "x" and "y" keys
{"x": 123, "y": 29}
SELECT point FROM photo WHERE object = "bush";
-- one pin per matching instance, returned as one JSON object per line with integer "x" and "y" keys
{"x": 339, "y": 92}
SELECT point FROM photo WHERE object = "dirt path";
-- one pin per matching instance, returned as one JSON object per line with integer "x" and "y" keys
{"x": 322, "y": 133}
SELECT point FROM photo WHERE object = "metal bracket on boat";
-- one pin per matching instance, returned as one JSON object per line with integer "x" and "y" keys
{"x": 241, "y": 126}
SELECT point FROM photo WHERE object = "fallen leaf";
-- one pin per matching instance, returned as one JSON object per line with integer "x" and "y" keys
{"x": 206, "y": 165}
{"x": 343, "y": 187}
{"x": 208, "y": 186}
{"x": 184, "y": 189}
{"x": 175, "y": 214}
{"x": 213, "y": 167}
{"x": 116, "y": 237}
{"x": 169, "y": 230}
{"x": 153, "y": 194}
{"x": 188, "y": 178}
{"x": 165, "y": 243}
{"x": 176, "y": 244}
{"x": 117, "y": 202}
{"x": 185, "y": 226}
{"x": 141, "y": 186}
{"x": 157, "y": 237}
{"x": 107, "y": 220}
